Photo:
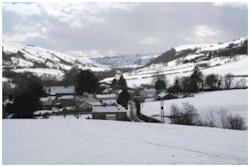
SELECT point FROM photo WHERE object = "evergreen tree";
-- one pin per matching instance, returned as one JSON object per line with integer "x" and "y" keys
{"x": 28, "y": 91}
{"x": 160, "y": 85}
{"x": 212, "y": 81}
{"x": 123, "y": 83}
{"x": 176, "y": 88}
{"x": 160, "y": 82}
{"x": 114, "y": 84}
{"x": 25, "y": 104}
{"x": 196, "y": 80}
{"x": 70, "y": 77}
{"x": 186, "y": 85}
{"x": 86, "y": 81}
{"x": 123, "y": 98}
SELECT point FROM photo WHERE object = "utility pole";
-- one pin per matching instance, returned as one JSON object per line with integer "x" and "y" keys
{"x": 162, "y": 111}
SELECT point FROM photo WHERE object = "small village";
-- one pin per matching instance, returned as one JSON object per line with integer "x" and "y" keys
{"x": 62, "y": 101}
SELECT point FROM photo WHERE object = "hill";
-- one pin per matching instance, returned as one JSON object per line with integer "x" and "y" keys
{"x": 223, "y": 58}
{"x": 41, "y": 61}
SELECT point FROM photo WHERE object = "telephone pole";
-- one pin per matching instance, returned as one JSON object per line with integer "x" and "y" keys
{"x": 162, "y": 111}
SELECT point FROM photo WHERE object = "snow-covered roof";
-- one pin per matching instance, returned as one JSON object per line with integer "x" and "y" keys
{"x": 105, "y": 96}
{"x": 113, "y": 108}
{"x": 67, "y": 97}
{"x": 162, "y": 94}
{"x": 5, "y": 79}
{"x": 94, "y": 103}
{"x": 109, "y": 101}
{"x": 44, "y": 99}
{"x": 42, "y": 112}
{"x": 53, "y": 90}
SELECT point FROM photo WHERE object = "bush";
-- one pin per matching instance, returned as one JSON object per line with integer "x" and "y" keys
{"x": 209, "y": 120}
{"x": 175, "y": 114}
{"x": 222, "y": 113}
{"x": 231, "y": 121}
{"x": 236, "y": 122}
{"x": 228, "y": 81}
{"x": 185, "y": 116}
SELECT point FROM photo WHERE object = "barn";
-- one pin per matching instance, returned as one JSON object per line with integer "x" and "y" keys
{"x": 110, "y": 112}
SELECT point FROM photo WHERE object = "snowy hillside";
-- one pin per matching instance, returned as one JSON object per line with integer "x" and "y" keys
{"x": 73, "y": 141}
{"x": 19, "y": 58}
{"x": 235, "y": 66}
{"x": 202, "y": 52}
{"x": 229, "y": 57}
{"x": 125, "y": 61}
{"x": 233, "y": 101}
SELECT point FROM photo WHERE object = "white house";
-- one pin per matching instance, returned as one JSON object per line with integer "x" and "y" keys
{"x": 110, "y": 112}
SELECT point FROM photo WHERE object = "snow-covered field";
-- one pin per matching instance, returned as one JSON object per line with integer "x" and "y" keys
{"x": 73, "y": 141}
{"x": 234, "y": 101}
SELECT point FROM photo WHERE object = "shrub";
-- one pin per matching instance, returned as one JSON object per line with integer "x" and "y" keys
{"x": 231, "y": 121}
{"x": 209, "y": 119}
{"x": 228, "y": 81}
{"x": 222, "y": 113}
{"x": 236, "y": 122}
{"x": 175, "y": 114}
{"x": 190, "y": 115}
{"x": 185, "y": 116}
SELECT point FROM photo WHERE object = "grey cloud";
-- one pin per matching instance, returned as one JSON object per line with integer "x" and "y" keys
{"x": 121, "y": 30}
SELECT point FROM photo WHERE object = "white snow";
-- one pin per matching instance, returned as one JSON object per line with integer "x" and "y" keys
{"x": 239, "y": 66}
{"x": 42, "y": 72}
{"x": 53, "y": 59}
{"x": 209, "y": 46}
{"x": 212, "y": 47}
{"x": 21, "y": 63}
{"x": 72, "y": 141}
{"x": 234, "y": 101}
{"x": 189, "y": 46}
{"x": 108, "y": 108}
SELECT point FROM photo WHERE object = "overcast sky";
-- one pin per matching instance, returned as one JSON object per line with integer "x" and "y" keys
{"x": 122, "y": 27}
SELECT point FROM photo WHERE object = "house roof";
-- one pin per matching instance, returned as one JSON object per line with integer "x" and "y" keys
{"x": 162, "y": 94}
{"x": 67, "y": 97}
{"x": 105, "y": 96}
{"x": 53, "y": 90}
{"x": 94, "y": 103}
{"x": 109, "y": 109}
{"x": 48, "y": 98}
{"x": 42, "y": 112}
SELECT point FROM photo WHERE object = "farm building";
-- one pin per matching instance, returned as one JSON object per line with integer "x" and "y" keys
{"x": 111, "y": 112}
{"x": 60, "y": 90}
{"x": 106, "y": 98}
{"x": 59, "y": 96}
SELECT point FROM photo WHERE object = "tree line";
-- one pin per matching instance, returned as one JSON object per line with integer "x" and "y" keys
{"x": 197, "y": 82}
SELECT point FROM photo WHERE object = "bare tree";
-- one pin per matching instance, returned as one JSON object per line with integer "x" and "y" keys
{"x": 222, "y": 113}
{"x": 242, "y": 83}
{"x": 228, "y": 81}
